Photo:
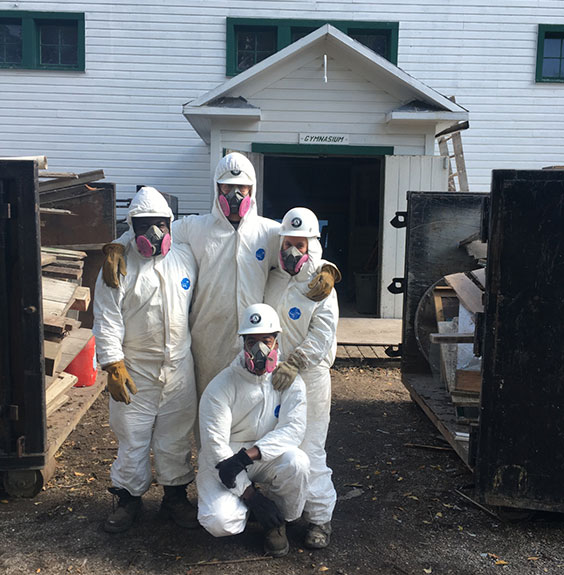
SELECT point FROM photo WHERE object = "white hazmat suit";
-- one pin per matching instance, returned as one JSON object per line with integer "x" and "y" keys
{"x": 240, "y": 410}
{"x": 145, "y": 323}
{"x": 233, "y": 269}
{"x": 309, "y": 329}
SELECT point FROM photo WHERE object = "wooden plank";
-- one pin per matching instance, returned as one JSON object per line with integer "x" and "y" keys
{"x": 342, "y": 352}
{"x": 53, "y": 271}
{"x": 81, "y": 299}
{"x": 448, "y": 355}
{"x": 56, "y": 404}
{"x": 69, "y": 253}
{"x": 54, "y": 324}
{"x": 354, "y": 352}
{"x": 58, "y": 296}
{"x": 52, "y": 352}
{"x": 436, "y": 404}
{"x": 47, "y": 174}
{"x": 468, "y": 380}
{"x": 366, "y": 352}
{"x": 47, "y": 259}
{"x": 41, "y": 160}
{"x": 72, "y": 264}
{"x": 61, "y": 423}
{"x": 85, "y": 247}
{"x": 73, "y": 344}
{"x": 452, "y": 338}
{"x": 380, "y": 352}
{"x": 60, "y": 183}
{"x": 480, "y": 276}
{"x": 469, "y": 294}
{"x": 59, "y": 386}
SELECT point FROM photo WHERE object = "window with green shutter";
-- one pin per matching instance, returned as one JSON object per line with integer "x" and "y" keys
{"x": 42, "y": 40}
{"x": 250, "y": 40}
{"x": 550, "y": 53}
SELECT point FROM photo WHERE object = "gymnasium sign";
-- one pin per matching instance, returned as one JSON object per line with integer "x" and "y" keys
{"x": 331, "y": 139}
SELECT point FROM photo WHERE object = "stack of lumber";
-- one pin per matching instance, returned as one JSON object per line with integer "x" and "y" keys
{"x": 457, "y": 306}
{"x": 64, "y": 339}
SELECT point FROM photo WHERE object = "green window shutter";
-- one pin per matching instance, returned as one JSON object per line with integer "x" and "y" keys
{"x": 382, "y": 37}
{"x": 49, "y": 40}
{"x": 550, "y": 53}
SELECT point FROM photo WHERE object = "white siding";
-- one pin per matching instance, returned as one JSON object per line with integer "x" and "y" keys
{"x": 145, "y": 59}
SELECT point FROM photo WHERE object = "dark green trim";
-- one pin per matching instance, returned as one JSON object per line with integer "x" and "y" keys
{"x": 284, "y": 34}
{"x": 543, "y": 30}
{"x": 321, "y": 149}
{"x": 30, "y": 38}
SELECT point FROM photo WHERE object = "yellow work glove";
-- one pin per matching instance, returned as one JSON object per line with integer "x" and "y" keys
{"x": 285, "y": 373}
{"x": 119, "y": 381}
{"x": 114, "y": 264}
{"x": 322, "y": 284}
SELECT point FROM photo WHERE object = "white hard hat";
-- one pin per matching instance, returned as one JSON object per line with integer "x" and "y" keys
{"x": 300, "y": 222}
{"x": 149, "y": 202}
{"x": 235, "y": 169}
{"x": 259, "y": 318}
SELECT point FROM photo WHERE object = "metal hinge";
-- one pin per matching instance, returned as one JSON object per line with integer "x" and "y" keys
{"x": 5, "y": 211}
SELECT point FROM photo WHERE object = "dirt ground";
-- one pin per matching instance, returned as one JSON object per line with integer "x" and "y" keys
{"x": 398, "y": 511}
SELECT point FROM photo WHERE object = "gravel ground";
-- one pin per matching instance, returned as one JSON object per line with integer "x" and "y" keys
{"x": 398, "y": 511}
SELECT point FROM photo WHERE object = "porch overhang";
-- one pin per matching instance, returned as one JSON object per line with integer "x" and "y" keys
{"x": 201, "y": 117}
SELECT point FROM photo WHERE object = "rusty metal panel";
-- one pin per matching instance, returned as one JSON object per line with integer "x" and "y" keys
{"x": 95, "y": 220}
{"x": 22, "y": 393}
{"x": 520, "y": 460}
{"x": 436, "y": 223}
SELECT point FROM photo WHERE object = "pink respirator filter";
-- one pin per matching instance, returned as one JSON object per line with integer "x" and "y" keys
{"x": 299, "y": 265}
{"x": 146, "y": 248}
{"x": 243, "y": 206}
{"x": 271, "y": 361}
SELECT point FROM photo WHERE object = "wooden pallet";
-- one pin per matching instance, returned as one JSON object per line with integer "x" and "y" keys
{"x": 363, "y": 352}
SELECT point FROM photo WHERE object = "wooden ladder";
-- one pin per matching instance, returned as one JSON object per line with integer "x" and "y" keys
{"x": 458, "y": 154}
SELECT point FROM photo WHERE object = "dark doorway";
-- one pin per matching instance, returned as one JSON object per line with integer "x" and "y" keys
{"x": 345, "y": 194}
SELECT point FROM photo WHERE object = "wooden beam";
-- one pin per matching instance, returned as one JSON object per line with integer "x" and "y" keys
{"x": 81, "y": 299}
{"x": 60, "y": 183}
{"x": 60, "y": 385}
{"x": 53, "y": 271}
{"x": 52, "y": 352}
{"x": 452, "y": 338}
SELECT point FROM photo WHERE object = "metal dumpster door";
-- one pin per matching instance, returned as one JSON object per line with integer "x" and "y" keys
{"x": 22, "y": 394}
{"x": 520, "y": 459}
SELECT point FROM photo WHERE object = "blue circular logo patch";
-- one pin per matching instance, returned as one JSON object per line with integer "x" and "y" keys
{"x": 295, "y": 313}
{"x": 277, "y": 411}
{"x": 260, "y": 253}
{"x": 185, "y": 283}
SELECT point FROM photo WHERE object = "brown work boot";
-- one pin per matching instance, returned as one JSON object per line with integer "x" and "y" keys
{"x": 318, "y": 536}
{"x": 128, "y": 509}
{"x": 176, "y": 506}
{"x": 275, "y": 542}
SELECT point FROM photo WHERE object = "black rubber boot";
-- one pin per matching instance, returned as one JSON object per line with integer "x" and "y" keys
{"x": 275, "y": 542}
{"x": 176, "y": 506}
{"x": 128, "y": 509}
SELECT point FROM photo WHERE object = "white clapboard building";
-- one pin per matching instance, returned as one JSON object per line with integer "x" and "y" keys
{"x": 337, "y": 103}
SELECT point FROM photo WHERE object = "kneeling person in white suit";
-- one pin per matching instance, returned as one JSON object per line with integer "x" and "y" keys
{"x": 143, "y": 342}
{"x": 251, "y": 433}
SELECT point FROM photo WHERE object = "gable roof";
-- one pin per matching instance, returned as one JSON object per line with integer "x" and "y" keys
{"x": 432, "y": 106}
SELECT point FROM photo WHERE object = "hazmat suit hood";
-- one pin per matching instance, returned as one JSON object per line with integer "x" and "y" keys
{"x": 149, "y": 202}
{"x": 244, "y": 172}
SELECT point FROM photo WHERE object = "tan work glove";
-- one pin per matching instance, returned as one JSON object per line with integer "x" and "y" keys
{"x": 322, "y": 284}
{"x": 114, "y": 264}
{"x": 285, "y": 373}
{"x": 119, "y": 381}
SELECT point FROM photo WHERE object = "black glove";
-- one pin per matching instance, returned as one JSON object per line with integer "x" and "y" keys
{"x": 265, "y": 510}
{"x": 231, "y": 467}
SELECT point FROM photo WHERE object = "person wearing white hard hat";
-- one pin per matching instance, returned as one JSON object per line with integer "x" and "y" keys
{"x": 250, "y": 433}
{"x": 235, "y": 248}
{"x": 308, "y": 345}
{"x": 143, "y": 342}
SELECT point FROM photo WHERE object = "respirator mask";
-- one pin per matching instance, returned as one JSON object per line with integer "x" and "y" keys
{"x": 234, "y": 202}
{"x": 261, "y": 358}
{"x": 292, "y": 260}
{"x": 153, "y": 242}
